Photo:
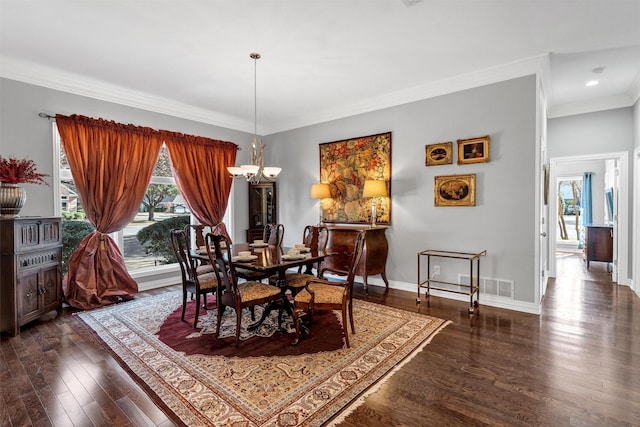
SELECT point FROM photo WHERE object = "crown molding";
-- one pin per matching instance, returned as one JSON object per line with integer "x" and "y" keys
{"x": 81, "y": 85}
{"x": 446, "y": 86}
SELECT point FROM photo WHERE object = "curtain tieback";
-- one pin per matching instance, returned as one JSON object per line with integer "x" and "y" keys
{"x": 101, "y": 238}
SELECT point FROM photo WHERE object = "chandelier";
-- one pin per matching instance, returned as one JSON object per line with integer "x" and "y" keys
{"x": 255, "y": 171}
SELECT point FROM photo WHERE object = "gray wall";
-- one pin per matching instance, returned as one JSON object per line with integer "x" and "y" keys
{"x": 593, "y": 133}
{"x": 502, "y": 222}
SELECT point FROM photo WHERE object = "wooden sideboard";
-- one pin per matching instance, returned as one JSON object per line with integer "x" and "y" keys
{"x": 374, "y": 256}
{"x": 30, "y": 270}
{"x": 598, "y": 243}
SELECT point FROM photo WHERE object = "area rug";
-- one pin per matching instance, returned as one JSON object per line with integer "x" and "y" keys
{"x": 265, "y": 382}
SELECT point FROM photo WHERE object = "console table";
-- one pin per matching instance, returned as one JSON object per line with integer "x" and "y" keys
{"x": 374, "y": 254}
{"x": 472, "y": 288}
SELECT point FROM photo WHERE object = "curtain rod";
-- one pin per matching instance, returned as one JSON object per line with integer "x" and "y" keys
{"x": 50, "y": 117}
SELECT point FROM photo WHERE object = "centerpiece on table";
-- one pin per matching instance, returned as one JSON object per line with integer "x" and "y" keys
{"x": 12, "y": 173}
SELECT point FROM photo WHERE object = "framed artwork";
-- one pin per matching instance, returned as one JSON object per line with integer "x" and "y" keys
{"x": 474, "y": 150}
{"x": 455, "y": 190}
{"x": 345, "y": 165}
{"x": 439, "y": 154}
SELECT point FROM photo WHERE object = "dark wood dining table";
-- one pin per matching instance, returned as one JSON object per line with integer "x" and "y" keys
{"x": 269, "y": 259}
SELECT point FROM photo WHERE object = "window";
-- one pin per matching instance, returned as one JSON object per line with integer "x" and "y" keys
{"x": 162, "y": 201}
{"x": 569, "y": 200}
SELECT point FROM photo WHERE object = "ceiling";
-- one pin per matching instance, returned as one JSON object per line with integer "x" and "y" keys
{"x": 321, "y": 59}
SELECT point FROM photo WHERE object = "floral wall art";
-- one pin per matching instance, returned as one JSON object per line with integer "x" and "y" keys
{"x": 345, "y": 165}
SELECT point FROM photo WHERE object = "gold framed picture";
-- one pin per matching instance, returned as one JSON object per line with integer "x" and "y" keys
{"x": 473, "y": 150}
{"x": 455, "y": 190}
{"x": 439, "y": 154}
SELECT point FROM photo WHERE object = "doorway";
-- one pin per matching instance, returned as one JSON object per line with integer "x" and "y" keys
{"x": 566, "y": 168}
{"x": 569, "y": 231}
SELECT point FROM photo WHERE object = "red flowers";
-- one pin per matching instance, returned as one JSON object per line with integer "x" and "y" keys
{"x": 19, "y": 171}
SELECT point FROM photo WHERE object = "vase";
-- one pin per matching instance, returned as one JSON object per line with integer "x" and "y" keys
{"x": 12, "y": 198}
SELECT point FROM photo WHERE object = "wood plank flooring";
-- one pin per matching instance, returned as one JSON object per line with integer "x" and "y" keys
{"x": 578, "y": 364}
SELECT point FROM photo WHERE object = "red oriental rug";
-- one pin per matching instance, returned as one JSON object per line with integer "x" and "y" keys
{"x": 264, "y": 382}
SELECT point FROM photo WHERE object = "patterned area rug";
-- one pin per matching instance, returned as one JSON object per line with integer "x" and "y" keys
{"x": 266, "y": 382}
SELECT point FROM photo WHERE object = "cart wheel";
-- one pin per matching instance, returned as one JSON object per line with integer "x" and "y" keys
{"x": 417, "y": 300}
{"x": 470, "y": 311}
{"x": 475, "y": 304}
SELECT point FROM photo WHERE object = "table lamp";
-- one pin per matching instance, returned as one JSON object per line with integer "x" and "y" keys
{"x": 374, "y": 188}
{"x": 320, "y": 191}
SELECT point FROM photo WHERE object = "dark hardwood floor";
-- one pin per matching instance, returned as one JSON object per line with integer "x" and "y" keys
{"x": 577, "y": 364}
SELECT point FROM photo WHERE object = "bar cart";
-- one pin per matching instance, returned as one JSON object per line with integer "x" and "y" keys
{"x": 471, "y": 289}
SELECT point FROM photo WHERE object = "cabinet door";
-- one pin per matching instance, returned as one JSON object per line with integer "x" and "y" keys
{"x": 49, "y": 289}
{"x": 27, "y": 294}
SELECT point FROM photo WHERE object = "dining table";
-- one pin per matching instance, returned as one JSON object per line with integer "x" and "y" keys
{"x": 269, "y": 259}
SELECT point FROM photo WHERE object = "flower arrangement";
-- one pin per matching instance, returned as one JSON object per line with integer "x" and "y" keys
{"x": 20, "y": 171}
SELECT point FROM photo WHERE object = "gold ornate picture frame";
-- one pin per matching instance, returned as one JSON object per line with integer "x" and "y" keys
{"x": 345, "y": 165}
{"x": 473, "y": 150}
{"x": 455, "y": 190}
{"x": 439, "y": 154}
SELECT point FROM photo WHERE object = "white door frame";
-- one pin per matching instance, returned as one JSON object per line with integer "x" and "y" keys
{"x": 636, "y": 221}
{"x": 621, "y": 234}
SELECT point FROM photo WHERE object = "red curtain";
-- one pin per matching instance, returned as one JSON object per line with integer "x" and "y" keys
{"x": 200, "y": 169}
{"x": 111, "y": 165}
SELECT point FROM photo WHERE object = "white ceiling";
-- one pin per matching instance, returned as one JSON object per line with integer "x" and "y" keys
{"x": 321, "y": 59}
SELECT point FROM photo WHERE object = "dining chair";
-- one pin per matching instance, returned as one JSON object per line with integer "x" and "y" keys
{"x": 198, "y": 232}
{"x": 323, "y": 295}
{"x": 271, "y": 234}
{"x": 231, "y": 293}
{"x": 192, "y": 282}
{"x": 315, "y": 238}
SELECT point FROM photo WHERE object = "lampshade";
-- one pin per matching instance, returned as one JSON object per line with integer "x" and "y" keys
{"x": 374, "y": 188}
{"x": 320, "y": 191}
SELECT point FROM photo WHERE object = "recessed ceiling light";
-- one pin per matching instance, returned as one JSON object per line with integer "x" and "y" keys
{"x": 592, "y": 83}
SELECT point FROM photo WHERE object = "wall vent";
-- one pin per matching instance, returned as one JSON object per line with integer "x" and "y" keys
{"x": 490, "y": 286}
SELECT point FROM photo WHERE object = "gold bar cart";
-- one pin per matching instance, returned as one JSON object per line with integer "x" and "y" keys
{"x": 471, "y": 289}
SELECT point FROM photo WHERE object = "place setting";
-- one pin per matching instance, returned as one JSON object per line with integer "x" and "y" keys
{"x": 293, "y": 254}
{"x": 258, "y": 244}
{"x": 245, "y": 256}
{"x": 302, "y": 248}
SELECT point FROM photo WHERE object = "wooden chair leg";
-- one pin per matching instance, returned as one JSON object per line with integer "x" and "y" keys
{"x": 219, "y": 319}
{"x": 238, "y": 320}
{"x": 345, "y": 327}
{"x": 353, "y": 328}
{"x": 184, "y": 304}
{"x": 195, "y": 321}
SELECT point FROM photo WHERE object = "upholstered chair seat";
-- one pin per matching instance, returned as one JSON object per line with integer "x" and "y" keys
{"x": 324, "y": 293}
{"x": 250, "y": 291}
